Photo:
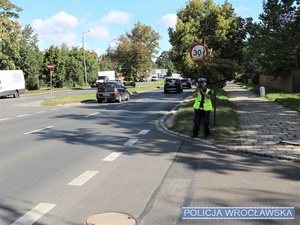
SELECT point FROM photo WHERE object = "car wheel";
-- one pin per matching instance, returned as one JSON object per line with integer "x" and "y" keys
{"x": 120, "y": 99}
{"x": 128, "y": 97}
{"x": 16, "y": 94}
{"x": 99, "y": 101}
{"x": 165, "y": 91}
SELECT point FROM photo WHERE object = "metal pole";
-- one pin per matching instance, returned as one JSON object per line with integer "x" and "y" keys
{"x": 84, "y": 63}
{"x": 50, "y": 84}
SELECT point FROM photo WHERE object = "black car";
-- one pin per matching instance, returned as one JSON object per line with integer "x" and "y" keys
{"x": 186, "y": 83}
{"x": 172, "y": 84}
{"x": 112, "y": 91}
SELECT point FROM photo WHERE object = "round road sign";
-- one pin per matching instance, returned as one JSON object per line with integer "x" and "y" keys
{"x": 50, "y": 66}
{"x": 198, "y": 50}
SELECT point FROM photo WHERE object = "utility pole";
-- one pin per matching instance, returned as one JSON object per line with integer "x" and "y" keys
{"x": 84, "y": 62}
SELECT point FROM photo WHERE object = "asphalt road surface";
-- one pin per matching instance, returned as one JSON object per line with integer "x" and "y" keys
{"x": 62, "y": 165}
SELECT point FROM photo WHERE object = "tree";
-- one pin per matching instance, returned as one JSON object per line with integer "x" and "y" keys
{"x": 9, "y": 34}
{"x": 163, "y": 61}
{"x": 92, "y": 67}
{"x": 135, "y": 49}
{"x": 275, "y": 39}
{"x": 31, "y": 58}
{"x": 74, "y": 67}
{"x": 217, "y": 27}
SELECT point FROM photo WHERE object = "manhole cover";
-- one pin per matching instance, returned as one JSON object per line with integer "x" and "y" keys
{"x": 111, "y": 218}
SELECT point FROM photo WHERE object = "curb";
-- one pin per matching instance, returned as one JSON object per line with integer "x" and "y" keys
{"x": 165, "y": 119}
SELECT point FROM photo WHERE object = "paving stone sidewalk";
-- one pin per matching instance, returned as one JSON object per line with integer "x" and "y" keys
{"x": 265, "y": 126}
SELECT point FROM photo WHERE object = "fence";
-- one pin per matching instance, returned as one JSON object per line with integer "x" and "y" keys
{"x": 289, "y": 83}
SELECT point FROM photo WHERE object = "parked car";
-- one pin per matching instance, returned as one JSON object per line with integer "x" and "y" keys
{"x": 112, "y": 91}
{"x": 172, "y": 84}
{"x": 186, "y": 83}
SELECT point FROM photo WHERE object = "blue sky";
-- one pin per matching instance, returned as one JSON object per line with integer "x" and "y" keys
{"x": 64, "y": 21}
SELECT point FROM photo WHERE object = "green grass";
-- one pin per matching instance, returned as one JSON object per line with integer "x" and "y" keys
{"x": 62, "y": 100}
{"x": 288, "y": 100}
{"x": 226, "y": 123}
{"x": 91, "y": 97}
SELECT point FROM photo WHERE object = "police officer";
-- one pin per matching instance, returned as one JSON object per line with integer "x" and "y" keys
{"x": 202, "y": 108}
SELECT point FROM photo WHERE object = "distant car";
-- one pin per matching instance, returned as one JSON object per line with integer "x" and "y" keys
{"x": 154, "y": 78}
{"x": 141, "y": 79}
{"x": 173, "y": 84}
{"x": 186, "y": 83}
{"x": 112, "y": 91}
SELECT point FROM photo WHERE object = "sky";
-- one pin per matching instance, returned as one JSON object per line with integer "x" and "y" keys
{"x": 67, "y": 21}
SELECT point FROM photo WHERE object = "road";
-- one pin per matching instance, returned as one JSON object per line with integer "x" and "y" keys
{"x": 61, "y": 165}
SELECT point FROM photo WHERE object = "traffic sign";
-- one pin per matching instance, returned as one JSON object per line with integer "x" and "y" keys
{"x": 198, "y": 50}
{"x": 50, "y": 66}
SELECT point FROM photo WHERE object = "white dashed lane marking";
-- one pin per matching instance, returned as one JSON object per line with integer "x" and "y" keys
{"x": 34, "y": 131}
{"x": 143, "y": 132}
{"x": 33, "y": 215}
{"x": 4, "y": 119}
{"x": 92, "y": 114}
{"x": 39, "y": 112}
{"x": 131, "y": 142}
{"x": 22, "y": 115}
{"x": 79, "y": 181}
{"x": 111, "y": 157}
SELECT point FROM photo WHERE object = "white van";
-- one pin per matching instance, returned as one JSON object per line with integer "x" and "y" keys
{"x": 12, "y": 82}
{"x": 154, "y": 78}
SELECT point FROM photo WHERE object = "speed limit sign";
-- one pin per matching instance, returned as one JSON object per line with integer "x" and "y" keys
{"x": 198, "y": 50}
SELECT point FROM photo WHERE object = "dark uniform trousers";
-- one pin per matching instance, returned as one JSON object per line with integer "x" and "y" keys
{"x": 200, "y": 114}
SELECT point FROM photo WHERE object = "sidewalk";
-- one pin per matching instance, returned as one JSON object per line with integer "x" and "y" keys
{"x": 267, "y": 129}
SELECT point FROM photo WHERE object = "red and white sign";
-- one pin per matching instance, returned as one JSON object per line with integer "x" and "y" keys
{"x": 198, "y": 50}
{"x": 50, "y": 66}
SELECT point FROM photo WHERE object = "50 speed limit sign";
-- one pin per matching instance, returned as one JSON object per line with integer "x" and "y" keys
{"x": 198, "y": 50}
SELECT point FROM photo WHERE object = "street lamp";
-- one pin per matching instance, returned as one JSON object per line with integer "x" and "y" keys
{"x": 84, "y": 63}
{"x": 108, "y": 51}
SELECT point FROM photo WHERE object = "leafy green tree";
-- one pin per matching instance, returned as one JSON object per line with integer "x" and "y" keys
{"x": 275, "y": 39}
{"x": 74, "y": 67}
{"x": 53, "y": 55}
{"x": 219, "y": 29}
{"x": 31, "y": 58}
{"x": 9, "y": 34}
{"x": 135, "y": 49}
{"x": 92, "y": 67}
{"x": 163, "y": 61}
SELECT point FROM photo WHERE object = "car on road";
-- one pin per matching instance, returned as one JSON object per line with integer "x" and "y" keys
{"x": 154, "y": 78}
{"x": 186, "y": 83}
{"x": 112, "y": 91}
{"x": 173, "y": 84}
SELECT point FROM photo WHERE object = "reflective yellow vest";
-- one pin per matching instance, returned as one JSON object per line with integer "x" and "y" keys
{"x": 207, "y": 104}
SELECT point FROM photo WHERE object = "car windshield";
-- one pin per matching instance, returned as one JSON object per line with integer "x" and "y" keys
{"x": 106, "y": 86}
{"x": 172, "y": 80}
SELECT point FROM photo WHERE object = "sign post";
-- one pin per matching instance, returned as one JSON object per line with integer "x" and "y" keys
{"x": 50, "y": 68}
{"x": 199, "y": 51}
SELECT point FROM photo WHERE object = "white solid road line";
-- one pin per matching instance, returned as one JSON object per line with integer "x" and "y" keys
{"x": 111, "y": 157}
{"x": 79, "y": 181}
{"x": 143, "y": 132}
{"x": 30, "y": 132}
{"x": 131, "y": 142}
{"x": 34, "y": 214}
